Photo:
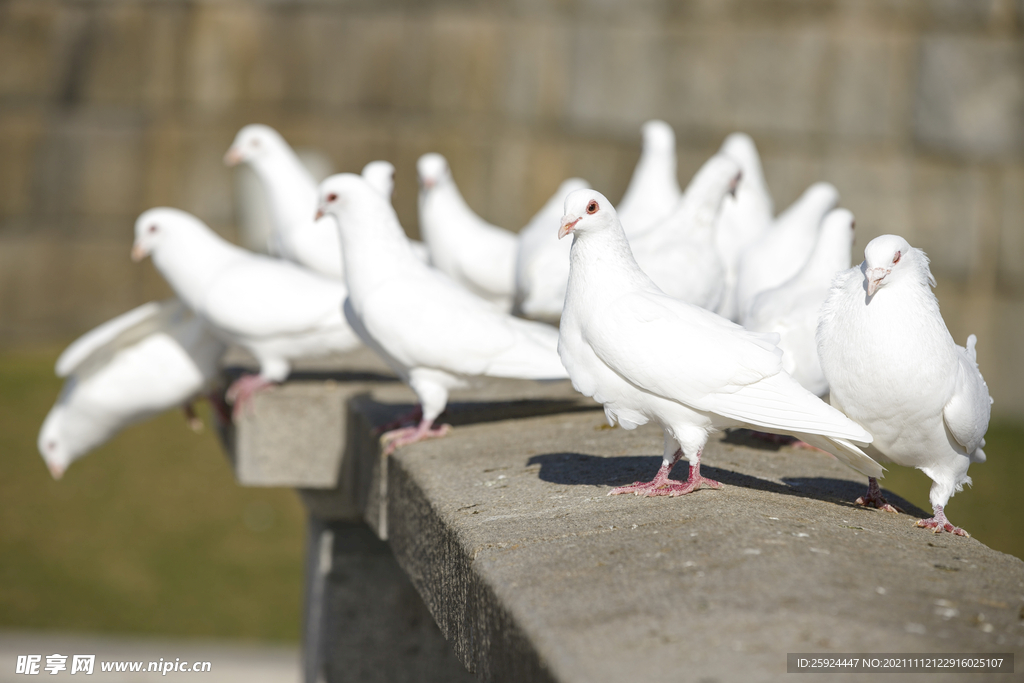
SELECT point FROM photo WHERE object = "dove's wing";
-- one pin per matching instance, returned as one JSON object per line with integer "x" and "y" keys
{"x": 101, "y": 343}
{"x": 261, "y": 297}
{"x": 968, "y": 411}
{"x": 442, "y": 326}
{"x": 686, "y": 354}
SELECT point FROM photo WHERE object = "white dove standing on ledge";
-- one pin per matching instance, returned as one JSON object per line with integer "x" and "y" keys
{"x": 647, "y": 356}
{"x": 433, "y": 333}
{"x": 784, "y": 248}
{"x": 680, "y": 255}
{"x": 542, "y": 260}
{"x": 792, "y": 309}
{"x": 892, "y": 365}
{"x": 745, "y": 217}
{"x": 653, "y": 191}
{"x": 276, "y": 310}
{"x": 479, "y": 256}
{"x": 141, "y": 363}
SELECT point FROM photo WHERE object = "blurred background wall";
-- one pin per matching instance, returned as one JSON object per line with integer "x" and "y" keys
{"x": 914, "y": 109}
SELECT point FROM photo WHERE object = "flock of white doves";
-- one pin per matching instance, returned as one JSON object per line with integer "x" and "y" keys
{"x": 700, "y": 310}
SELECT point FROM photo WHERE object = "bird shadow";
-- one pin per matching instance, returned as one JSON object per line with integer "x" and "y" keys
{"x": 464, "y": 413}
{"x": 577, "y": 469}
{"x": 233, "y": 372}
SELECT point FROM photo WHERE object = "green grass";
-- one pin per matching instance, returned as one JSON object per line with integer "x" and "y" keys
{"x": 148, "y": 534}
{"x": 990, "y": 510}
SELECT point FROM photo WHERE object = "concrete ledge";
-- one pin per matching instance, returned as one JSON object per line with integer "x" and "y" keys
{"x": 533, "y": 573}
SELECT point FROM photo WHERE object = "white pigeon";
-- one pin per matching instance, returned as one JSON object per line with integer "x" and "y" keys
{"x": 542, "y": 260}
{"x": 276, "y": 310}
{"x": 791, "y": 310}
{"x": 647, "y": 356}
{"x": 784, "y": 248}
{"x": 152, "y": 358}
{"x": 433, "y": 333}
{"x": 892, "y": 366}
{"x": 291, "y": 192}
{"x": 479, "y": 256}
{"x": 653, "y": 191}
{"x": 744, "y": 218}
{"x": 680, "y": 255}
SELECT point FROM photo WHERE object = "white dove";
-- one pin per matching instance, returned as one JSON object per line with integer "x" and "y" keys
{"x": 276, "y": 310}
{"x": 433, "y": 333}
{"x": 141, "y": 363}
{"x": 479, "y": 256}
{"x": 647, "y": 356}
{"x": 791, "y": 310}
{"x": 744, "y": 218}
{"x": 291, "y": 192}
{"x": 680, "y": 255}
{"x": 892, "y": 365}
{"x": 784, "y": 248}
{"x": 542, "y": 260}
{"x": 653, "y": 191}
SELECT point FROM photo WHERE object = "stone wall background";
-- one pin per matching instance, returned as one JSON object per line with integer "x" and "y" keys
{"x": 914, "y": 109}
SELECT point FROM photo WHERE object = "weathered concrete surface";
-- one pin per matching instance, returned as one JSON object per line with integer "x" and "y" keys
{"x": 534, "y": 573}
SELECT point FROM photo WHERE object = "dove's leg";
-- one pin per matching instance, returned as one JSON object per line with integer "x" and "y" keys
{"x": 241, "y": 391}
{"x": 874, "y": 498}
{"x": 412, "y": 417}
{"x": 407, "y": 435}
{"x": 433, "y": 398}
{"x": 939, "y": 523}
{"x": 661, "y": 485}
{"x": 194, "y": 423}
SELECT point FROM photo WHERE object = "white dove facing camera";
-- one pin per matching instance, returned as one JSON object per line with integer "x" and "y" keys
{"x": 276, "y": 310}
{"x": 433, "y": 333}
{"x": 647, "y": 356}
{"x": 892, "y": 366}
{"x": 152, "y": 358}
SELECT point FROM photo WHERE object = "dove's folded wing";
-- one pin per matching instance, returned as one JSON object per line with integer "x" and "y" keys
{"x": 968, "y": 411}
{"x": 263, "y": 298}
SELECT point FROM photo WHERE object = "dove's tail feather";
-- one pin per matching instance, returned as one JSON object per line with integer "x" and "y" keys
{"x": 779, "y": 404}
{"x": 846, "y": 452}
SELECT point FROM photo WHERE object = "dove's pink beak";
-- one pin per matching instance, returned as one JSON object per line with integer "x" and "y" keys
{"x": 568, "y": 224}
{"x": 55, "y": 470}
{"x": 319, "y": 214}
{"x": 233, "y": 157}
{"x": 875, "y": 277}
{"x": 138, "y": 253}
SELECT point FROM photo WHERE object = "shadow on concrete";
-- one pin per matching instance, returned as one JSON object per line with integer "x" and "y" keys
{"x": 463, "y": 413}
{"x": 233, "y": 372}
{"x": 589, "y": 470}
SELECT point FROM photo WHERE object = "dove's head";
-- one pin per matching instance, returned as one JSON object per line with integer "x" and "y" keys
{"x": 587, "y": 211}
{"x": 885, "y": 261}
{"x": 157, "y": 226}
{"x": 342, "y": 193}
{"x": 52, "y": 445}
{"x": 658, "y": 137}
{"x": 381, "y": 177}
{"x": 253, "y": 142}
{"x": 432, "y": 169}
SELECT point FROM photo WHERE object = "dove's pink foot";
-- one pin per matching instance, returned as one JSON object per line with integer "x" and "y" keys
{"x": 411, "y": 418}
{"x": 874, "y": 498}
{"x": 397, "y": 438}
{"x": 939, "y": 523}
{"x": 194, "y": 423}
{"x": 661, "y": 485}
{"x": 241, "y": 391}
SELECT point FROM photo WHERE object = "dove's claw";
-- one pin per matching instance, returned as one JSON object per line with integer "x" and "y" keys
{"x": 242, "y": 390}
{"x": 661, "y": 485}
{"x": 397, "y": 438}
{"x": 874, "y": 498}
{"x": 411, "y": 418}
{"x": 939, "y": 523}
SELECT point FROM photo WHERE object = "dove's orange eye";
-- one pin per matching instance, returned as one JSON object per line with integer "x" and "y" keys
{"x": 332, "y": 197}
{"x": 896, "y": 258}
{"x": 592, "y": 207}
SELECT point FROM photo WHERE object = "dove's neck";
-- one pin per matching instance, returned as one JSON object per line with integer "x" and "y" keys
{"x": 830, "y": 256}
{"x": 601, "y": 265}
{"x": 374, "y": 249}
{"x": 445, "y": 214}
{"x": 290, "y": 189}
{"x": 192, "y": 259}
